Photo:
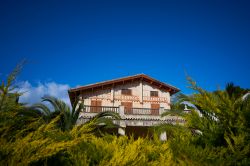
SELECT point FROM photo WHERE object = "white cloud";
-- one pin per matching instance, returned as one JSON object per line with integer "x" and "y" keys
{"x": 33, "y": 94}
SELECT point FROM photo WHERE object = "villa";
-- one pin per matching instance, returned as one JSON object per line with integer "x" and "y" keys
{"x": 139, "y": 100}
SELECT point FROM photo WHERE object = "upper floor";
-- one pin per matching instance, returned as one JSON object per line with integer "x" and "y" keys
{"x": 139, "y": 92}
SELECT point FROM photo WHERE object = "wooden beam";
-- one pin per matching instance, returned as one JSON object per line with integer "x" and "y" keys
{"x": 160, "y": 86}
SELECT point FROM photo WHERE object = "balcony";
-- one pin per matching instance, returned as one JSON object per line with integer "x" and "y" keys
{"x": 127, "y": 98}
{"x": 155, "y": 99}
{"x": 141, "y": 111}
{"x": 132, "y": 116}
{"x": 98, "y": 109}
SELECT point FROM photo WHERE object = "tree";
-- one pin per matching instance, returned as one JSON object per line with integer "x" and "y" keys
{"x": 68, "y": 117}
{"x": 8, "y": 93}
{"x": 224, "y": 120}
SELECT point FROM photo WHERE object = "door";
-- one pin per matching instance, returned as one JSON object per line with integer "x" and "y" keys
{"x": 127, "y": 107}
{"x": 96, "y": 106}
{"x": 155, "y": 109}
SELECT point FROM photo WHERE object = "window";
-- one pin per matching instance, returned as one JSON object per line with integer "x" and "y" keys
{"x": 155, "y": 109}
{"x": 154, "y": 93}
{"x": 96, "y": 106}
{"x": 126, "y": 92}
{"x": 127, "y": 107}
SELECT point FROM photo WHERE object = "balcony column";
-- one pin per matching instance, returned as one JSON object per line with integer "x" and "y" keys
{"x": 122, "y": 127}
{"x": 161, "y": 110}
{"x": 168, "y": 100}
{"x": 122, "y": 124}
{"x": 121, "y": 111}
{"x": 163, "y": 136}
{"x": 112, "y": 94}
{"x": 141, "y": 91}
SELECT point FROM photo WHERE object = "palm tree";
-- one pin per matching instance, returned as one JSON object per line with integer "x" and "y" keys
{"x": 56, "y": 108}
{"x": 68, "y": 117}
{"x": 235, "y": 91}
{"x": 8, "y": 94}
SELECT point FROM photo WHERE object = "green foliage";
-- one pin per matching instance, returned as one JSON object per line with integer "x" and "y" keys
{"x": 224, "y": 121}
{"x": 8, "y": 96}
{"x": 68, "y": 117}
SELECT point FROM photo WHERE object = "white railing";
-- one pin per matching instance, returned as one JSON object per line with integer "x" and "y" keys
{"x": 156, "y": 99}
{"x": 136, "y": 116}
{"x": 127, "y": 98}
{"x": 97, "y": 109}
{"x": 142, "y": 111}
{"x": 131, "y": 113}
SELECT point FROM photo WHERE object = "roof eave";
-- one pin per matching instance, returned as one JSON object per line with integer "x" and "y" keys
{"x": 114, "y": 81}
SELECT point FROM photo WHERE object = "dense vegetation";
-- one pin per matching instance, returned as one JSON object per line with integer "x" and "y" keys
{"x": 219, "y": 134}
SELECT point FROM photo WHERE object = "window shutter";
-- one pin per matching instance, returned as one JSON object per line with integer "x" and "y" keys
{"x": 96, "y": 106}
{"x": 155, "y": 109}
{"x": 127, "y": 107}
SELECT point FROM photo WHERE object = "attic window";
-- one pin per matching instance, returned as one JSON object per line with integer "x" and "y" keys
{"x": 126, "y": 92}
{"x": 154, "y": 93}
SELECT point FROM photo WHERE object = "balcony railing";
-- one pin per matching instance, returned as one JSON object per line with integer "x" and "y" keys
{"x": 132, "y": 116}
{"x": 97, "y": 109}
{"x": 127, "y": 98}
{"x": 127, "y": 111}
{"x": 157, "y": 99}
{"x": 131, "y": 113}
{"x": 141, "y": 111}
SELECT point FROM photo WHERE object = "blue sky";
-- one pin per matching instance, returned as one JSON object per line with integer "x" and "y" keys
{"x": 81, "y": 42}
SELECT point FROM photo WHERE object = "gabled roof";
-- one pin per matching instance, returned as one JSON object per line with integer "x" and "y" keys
{"x": 163, "y": 86}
